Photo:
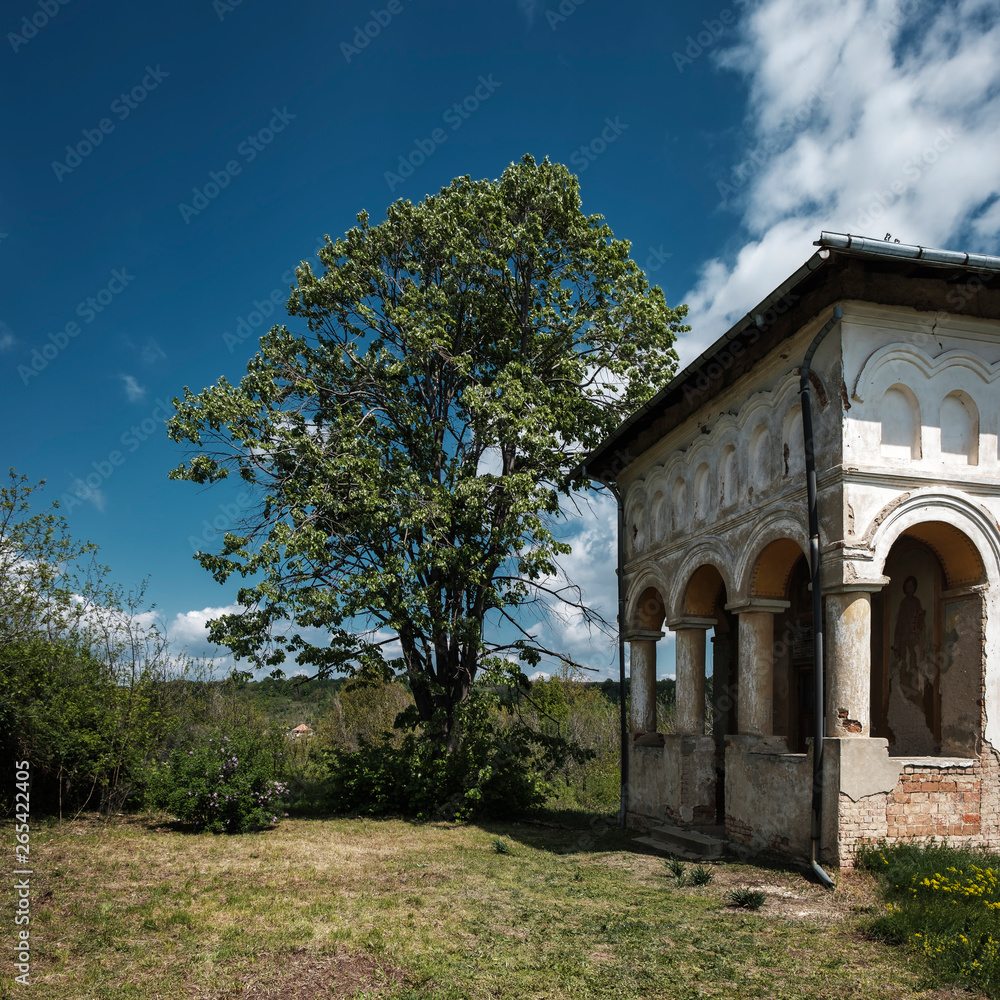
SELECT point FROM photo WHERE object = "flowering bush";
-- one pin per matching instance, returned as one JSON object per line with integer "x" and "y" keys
{"x": 230, "y": 784}
{"x": 945, "y": 902}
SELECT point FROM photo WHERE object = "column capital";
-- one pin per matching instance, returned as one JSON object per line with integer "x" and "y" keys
{"x": 857, "y": 586}
{"x": 640, "y": 634}
{"x": 690, "y": 621}
{"x": 750, "y": 605}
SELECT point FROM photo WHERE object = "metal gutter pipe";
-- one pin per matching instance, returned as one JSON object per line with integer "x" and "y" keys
{"x": 817, "y": 597}
{"x": 926, "y": 255}
{"x": 622, "y": 715}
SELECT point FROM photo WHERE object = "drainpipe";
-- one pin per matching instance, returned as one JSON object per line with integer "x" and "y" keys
{"x": 622, "y": 715}
{"x": 817, "y": 597}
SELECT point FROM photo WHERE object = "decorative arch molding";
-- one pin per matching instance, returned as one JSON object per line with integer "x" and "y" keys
{"x": 648, "y": 579}
{"x": 711, "y": 552}
{"x": 870, "y": 377}
{"x": 776, "y": 526}
{"x": 963, "y": 535}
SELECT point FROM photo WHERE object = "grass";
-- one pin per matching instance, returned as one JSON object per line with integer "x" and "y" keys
{"x": 943, "y": 902}
{"x": 384, "y": 908}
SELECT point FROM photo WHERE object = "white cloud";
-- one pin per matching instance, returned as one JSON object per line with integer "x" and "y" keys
{"x": 152, "y": 352}
{"x": 135, "y": 392}
{"x": 7, "y": 338}
{"x": 865, "y": 116}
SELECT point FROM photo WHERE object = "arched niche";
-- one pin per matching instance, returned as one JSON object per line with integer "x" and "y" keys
{"x": 760, "y": 461}
{"x": 702, "y": 500}
{"x": 679, "y": 514}
{"x": 793, "y": 454}
{"x": 728, "y": 486}
{"x": 959, "y": 423}
{"x": 899, "y": 415}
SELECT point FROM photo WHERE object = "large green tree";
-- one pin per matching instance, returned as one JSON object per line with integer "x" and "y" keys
{"x": 412, "y": 443}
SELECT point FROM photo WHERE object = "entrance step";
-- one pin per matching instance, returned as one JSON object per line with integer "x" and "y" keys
{"x": 705, "y": 842}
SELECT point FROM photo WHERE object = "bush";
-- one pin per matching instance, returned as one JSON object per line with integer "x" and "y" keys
{"x": 499, "y": 768}
{"x": 228, "y": 784}
{"x": 944, "y": 902}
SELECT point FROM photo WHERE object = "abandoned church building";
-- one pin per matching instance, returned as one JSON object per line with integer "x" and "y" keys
{"x": 903, "y": 398}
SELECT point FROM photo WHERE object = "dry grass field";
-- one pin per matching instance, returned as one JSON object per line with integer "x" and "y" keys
{"x": 133, "y": 908}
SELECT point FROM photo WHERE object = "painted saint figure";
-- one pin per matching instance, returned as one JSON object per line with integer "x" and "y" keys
{"x": 910, "y": 640}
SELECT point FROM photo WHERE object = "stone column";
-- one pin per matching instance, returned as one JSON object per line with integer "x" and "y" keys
{"x": 690, "y": 652}
{"x": 642, "y": 681}
{"x": 756, "y": 663}
{"x": 848, "y": 654}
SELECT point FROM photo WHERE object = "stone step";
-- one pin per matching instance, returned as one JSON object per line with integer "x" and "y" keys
{"x": 689, "y": 843}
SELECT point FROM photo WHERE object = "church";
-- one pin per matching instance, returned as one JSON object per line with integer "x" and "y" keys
{"x": 822, "y": 482}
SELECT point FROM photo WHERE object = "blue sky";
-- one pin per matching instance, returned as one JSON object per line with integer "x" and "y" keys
{"x": 166, "y": 167}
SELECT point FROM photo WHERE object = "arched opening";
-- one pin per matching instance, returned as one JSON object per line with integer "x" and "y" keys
{"x": 658, "y": 518}
{"x": 794, "y": 690}
{"x": 928, "y": 641}
{"x": 781, "y": 574}
{"x": 705, "y": 600}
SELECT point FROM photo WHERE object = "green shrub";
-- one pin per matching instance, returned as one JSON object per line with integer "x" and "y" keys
{"x": 499, "y": 768}
{"x": 228, "y": 784}
{"x": 944, "y": 902}
{"x": 702, "y": 875}
{"x": 747, "y": 899}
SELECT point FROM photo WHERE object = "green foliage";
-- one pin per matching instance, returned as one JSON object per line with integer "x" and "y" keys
{"x": 745, "y": 898}
{"x": 677, "y": 868}
{"x": 229, "y": 783}
{"x": 81, "y": 671}
{"x": 412, "y": 446}
{"x": 500, "y": 846}
{"x": 497, "y": 768}
{"x": 945, "y": 903}
{"x": 702, "y": 875}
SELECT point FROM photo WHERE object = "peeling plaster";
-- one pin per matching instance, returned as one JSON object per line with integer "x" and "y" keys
{"x": 866, "y": 768}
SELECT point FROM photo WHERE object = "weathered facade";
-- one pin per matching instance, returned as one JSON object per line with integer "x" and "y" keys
{"x": 906, "y": 411}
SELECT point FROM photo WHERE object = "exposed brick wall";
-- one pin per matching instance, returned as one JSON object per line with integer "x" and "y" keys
{"x": 957, "y": 804}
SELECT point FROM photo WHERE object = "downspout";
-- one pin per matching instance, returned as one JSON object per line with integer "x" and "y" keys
{"x": 817, "y": 597}
{"x": 622, "y": 717}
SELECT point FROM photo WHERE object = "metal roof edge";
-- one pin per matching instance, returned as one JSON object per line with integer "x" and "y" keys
{"x": 870, "y": 247}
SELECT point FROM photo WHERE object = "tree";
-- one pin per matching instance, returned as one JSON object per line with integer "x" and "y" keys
{"x": 411, "y": 447}
{"x": 80, "y": 663}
